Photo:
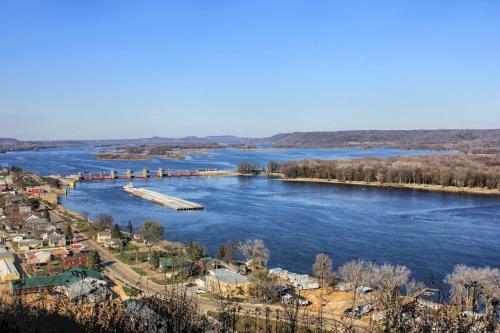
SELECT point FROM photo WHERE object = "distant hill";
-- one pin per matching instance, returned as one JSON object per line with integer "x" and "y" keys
{"x": 8, "y": 144}
{"x": 461, "y": 139}
{"x": 8, "y": 141}
{"x": 468, "y": 140}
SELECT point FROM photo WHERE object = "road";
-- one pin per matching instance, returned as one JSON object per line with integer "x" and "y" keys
{"x": 122, "y": 272}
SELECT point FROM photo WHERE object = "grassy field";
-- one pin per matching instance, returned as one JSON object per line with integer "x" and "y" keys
{"x": 139, "y": 271}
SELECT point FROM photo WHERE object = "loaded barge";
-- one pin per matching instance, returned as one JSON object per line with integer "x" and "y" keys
{"x": 162, "y": 199}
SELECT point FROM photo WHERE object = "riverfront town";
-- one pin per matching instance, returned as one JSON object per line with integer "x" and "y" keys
{"x": 54, "y": 257}
{"x": 249, "y": 166}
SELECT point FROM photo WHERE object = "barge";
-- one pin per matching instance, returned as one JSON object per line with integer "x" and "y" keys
{"x": 162, "y": 199}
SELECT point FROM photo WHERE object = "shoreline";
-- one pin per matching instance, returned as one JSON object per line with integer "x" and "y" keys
{"x": 419, "y": 187}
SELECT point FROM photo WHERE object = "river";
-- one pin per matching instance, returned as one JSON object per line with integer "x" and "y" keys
{"x": 428, "y": 232}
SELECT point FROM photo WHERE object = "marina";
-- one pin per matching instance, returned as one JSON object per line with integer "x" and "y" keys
{"x": 162, "y": 199}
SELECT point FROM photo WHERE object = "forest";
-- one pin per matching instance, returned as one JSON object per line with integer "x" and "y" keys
{"x": 446, "y": 170}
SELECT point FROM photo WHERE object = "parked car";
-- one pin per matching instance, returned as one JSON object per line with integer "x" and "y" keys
{"x": 363, "y": 309}
{"x": 358, "y": 311}
{"x": 288, "y": 298}
{"x": 201, "y": 291}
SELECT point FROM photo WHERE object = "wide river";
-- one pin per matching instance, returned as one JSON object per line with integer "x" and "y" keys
{"x": 428, "y": 232}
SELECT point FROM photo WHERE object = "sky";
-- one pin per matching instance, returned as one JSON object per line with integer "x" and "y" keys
{"x": 100, "y": 69}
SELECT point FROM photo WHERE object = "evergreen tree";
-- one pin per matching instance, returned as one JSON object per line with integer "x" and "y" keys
{"x": 68, "y": 233}
{"x": 130, "y": 228}
{"x": 94, "y": 260}
{"x": 116, "y": 232}
{"x": 154, "y": 259}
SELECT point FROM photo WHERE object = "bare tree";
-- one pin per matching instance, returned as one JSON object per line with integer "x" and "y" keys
{"x": 152, "y": 231}
{"x": 444, "y": 170}
{"x": 255, "y": 252}
{"x": 85, "y": 215}
{"x": 356, "y": 273}
{"x": 104, "y": 221}
{"x": 230, "y": 250}
{"x": 263, "y": 285}
{"x": 248, "y": 168}
{"x": 323, "y": 269}
{"x": 472, "y": 286}
{"x": 388, "y": 280}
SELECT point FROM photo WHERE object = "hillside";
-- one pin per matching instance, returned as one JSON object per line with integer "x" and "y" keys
{"x": 470, "y": 140}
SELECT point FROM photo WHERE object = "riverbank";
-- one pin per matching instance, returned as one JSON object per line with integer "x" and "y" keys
{"x": 419, "y": 187}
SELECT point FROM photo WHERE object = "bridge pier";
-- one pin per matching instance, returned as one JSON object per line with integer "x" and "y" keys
{"x": 160, "y": 172}
{"x": 145, "y": 173}
{"x": 112, "y": 173}
{"x": 129, "y": 174}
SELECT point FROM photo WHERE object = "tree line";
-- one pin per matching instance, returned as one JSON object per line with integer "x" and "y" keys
{"x": 444, "y": 170}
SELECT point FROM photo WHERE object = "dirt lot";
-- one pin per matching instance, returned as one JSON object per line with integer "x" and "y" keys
{"x": 335, "y": 301}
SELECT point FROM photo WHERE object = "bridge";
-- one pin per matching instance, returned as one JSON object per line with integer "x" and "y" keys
{"x": 142, "y": 174}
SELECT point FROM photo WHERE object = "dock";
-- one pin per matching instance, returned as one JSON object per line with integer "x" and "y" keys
{"x": 162, "y": 199}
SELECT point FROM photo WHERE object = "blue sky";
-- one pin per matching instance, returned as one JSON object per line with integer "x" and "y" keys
{"x": 122, "y": 69}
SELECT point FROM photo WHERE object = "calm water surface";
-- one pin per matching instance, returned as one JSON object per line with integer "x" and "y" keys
{"x": 428, "y": 232}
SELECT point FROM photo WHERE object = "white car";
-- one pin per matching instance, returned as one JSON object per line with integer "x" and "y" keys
{"x": 200, "y": 291}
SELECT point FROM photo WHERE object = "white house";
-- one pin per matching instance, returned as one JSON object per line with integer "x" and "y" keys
{"x": 103, "y": 236}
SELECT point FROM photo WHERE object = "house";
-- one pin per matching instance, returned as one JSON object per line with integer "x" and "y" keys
{"x": 60, "y": 253}
{"x": 8, "y": 271}
{"x": 29, "y": 244}
{"x": 39, "y": 222}
{"x": 113, "y": 243}
{"x": 77, "y": 247}
{"x": 50, "y": 229}
{"x": 299, "y": 281}
{"x": 36, "y": 225}
{"x": 37, "y": 190}
{"x": 38, "y": 258}
{"x": 103, "y": 236}
{"x": 56, "y": 240}
{"x": 171, "y": 248}
{"x": 31, "y": 217}
{"x": 225, "y": 282}
{"x": 78, "y": 259}
{"x": 17, "y": 238}
{"x": 237, "y": 267}
{"x": 54, "y": 283}
{"x": 24, "y": 209}
{"x": 171, "y": 264}
{"x": 88, "y": 289}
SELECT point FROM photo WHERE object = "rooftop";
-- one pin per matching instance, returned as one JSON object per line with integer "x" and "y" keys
{"x": 175, "y": 262}
{"x": 66, "y": 278}
{"x": 7, "y": 267}
{"x": 227, "y": 276}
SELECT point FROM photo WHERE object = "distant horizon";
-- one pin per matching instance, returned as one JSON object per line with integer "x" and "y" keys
{"x": 237, "y": 136}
